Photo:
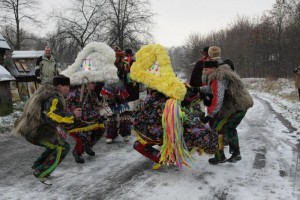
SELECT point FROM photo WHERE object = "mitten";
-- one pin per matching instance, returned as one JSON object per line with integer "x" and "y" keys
{"x": 206, "y": 119}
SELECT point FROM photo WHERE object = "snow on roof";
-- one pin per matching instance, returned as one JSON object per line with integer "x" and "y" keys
{"x": 5, "y": 75}
{"x": 27, "y": 54}
{"x": 3, "y": 43}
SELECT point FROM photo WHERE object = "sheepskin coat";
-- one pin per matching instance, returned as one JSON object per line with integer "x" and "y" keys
{"x": 34, "y": 123}
{"x": 237, "y": 98}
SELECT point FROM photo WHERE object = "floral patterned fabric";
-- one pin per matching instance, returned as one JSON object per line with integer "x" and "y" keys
{"x": 148, "y": 124}
{"x": 90, "y": 116}
{"x": 90, "y": 106}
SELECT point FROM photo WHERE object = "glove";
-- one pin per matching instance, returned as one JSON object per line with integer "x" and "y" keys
{"x": 206, "y": 119}
{"x": 207, "y": 99}
{"x": 193, "y": 90}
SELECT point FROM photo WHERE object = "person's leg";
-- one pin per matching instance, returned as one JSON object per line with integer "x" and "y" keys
{"x": 219, "y": 155}
{"x": 53, "y": 160}
{"x": 111, "y": 129}
{"x": 95, "y": 136}
{"x": 125, "y": 126}
{"x": 92, "y": 139}
{"x": 79, "y": 147}
{"x": 299, "y": 93}
{"x": 229, "y": 129}
{"x": 43, "y": 156}
{"x": 147, "y": 150}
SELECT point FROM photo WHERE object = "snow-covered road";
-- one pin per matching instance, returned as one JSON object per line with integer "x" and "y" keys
{"x": 269, "y": 169}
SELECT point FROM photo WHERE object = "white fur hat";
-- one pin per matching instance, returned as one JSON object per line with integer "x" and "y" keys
{"x": 214, "y": 51}
{"x": 96, "y": 62}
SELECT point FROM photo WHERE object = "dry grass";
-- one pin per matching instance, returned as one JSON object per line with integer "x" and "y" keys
{"x": 283, "y": 88}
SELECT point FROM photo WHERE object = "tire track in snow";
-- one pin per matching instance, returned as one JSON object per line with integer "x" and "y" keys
{"x": 293, "y": 170}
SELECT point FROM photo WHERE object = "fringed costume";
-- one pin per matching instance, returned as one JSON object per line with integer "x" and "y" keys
{"x": 89, "y": 129}
{"x": 162, "y": 121}
{"x": 94, "y": 64}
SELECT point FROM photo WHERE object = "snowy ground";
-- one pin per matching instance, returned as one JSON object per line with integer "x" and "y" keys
{"x": 269, "y": 140}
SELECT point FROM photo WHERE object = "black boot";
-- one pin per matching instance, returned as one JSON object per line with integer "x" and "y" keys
{"x": 219, "y": 158}
{"x": 88, "y": 149}
{"x": 235, "y": 154}
{"x": 78, "y": 158}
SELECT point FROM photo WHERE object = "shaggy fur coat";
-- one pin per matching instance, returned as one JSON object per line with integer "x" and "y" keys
{"x": 33, "y": 124}
{"x": 237, "y": 98}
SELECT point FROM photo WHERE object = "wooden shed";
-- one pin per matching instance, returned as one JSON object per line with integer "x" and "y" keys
{"x": 6, "y": 106}
{"x": 3, "y": 47}
{"x": 22, "y": 66}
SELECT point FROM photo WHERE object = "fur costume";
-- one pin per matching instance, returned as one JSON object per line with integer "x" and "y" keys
{"x": 32, "y": 124}
{"x": 236, "y": 98}
{"x": 39, "y": 125}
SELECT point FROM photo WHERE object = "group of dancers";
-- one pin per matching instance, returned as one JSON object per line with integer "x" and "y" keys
{"x": 169, "y": 126}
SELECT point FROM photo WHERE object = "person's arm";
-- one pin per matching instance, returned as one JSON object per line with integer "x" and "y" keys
{"x": 37, "y": 70}
{"x": 53, "y": 112}
{"x": 218, "y": 91}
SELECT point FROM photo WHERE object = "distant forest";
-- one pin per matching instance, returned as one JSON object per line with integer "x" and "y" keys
{"x": 267, "y": 46}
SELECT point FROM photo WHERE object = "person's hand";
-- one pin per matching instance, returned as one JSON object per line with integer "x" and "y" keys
{"x": 206, "y": 119}
{"x": 207, "y": 99}
{"x": 193, "y": 90}
{"x": 78, "y": 112}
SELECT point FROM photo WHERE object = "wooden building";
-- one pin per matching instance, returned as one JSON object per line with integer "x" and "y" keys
{"x": 3, "y": 47}
{"x": 21, "y": 65}
{"x": 6, "y": 106}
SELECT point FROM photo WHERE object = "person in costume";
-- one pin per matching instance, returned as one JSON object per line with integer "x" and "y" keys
{"x": 119, "y": 61}
{"x": 162, "y": 120}
{"x": 95, "y": 63}
{"x": 117, "y": 96}
{"x": 87, "y": 131}
{"x": 230, "y": 102}
{"x": 119, "y": 123}
{"x": 196, "y": 76}
{"x": 42, "y": 122}
{"x": 132, "y": 87}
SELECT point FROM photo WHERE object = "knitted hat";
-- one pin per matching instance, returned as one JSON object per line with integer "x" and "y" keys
{"x": 214, "y": 51}
{"x": 61, "y": 80}
{"x": 95, "y": 62}
{"x": 210, "y": 64}
{"x": 128, "y": 51}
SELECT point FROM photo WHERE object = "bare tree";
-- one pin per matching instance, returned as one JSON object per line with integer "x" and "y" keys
{"x": 279, "y": 17}
{"x": 84, "y": 21}
{"x": 130, "y": 22}
{"x": 64, "y": 49}
{"x": 14, "y": 14}
{"x": 193, "y": 45}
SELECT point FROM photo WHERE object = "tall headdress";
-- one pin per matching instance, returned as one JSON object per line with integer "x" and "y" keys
{"x": 153, "y": 68}
{"x": 96, "y": 62}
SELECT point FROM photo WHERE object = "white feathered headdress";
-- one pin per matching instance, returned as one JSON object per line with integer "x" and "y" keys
{"x": 96, "y": 62}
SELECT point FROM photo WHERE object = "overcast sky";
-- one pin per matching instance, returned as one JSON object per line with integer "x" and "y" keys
{"x": 176, "y": 19}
